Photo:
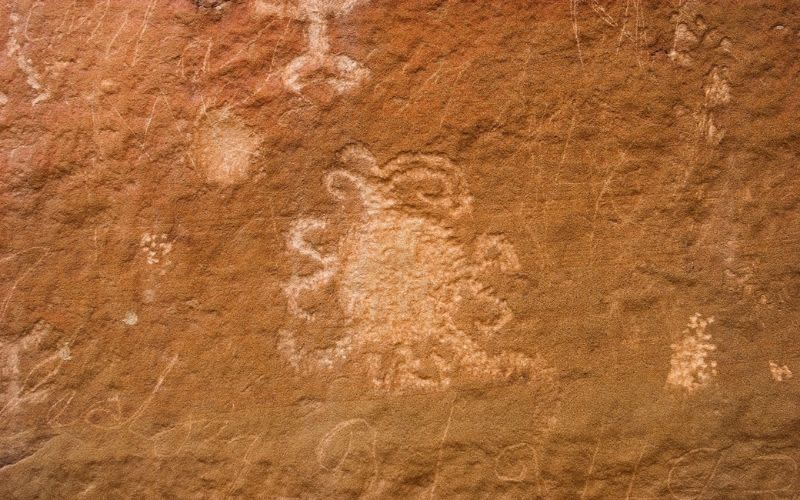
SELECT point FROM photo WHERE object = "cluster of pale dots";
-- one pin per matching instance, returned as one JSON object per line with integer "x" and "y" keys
{"x": 156, "y": 247}
{"x": 779, "y": 373}
{"x": 689, "y": 367}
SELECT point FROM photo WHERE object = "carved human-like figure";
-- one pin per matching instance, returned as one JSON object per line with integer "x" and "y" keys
{"x": 340, "y": 72}
{"x": 403, "y": 280}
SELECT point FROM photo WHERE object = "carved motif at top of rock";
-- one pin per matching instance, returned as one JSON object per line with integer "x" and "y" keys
{"x": 339, "y": 72}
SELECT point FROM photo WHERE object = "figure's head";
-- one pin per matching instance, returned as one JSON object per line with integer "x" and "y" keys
{"x": 353, "y": 179}
{"x": 427, "y": 185}
{"x": 424, "y": 185}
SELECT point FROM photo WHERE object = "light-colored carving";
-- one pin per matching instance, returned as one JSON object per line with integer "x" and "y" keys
{"x": 692, "y": 33}
{"x": 350, "y": 449}
{"x": 691, "y": 474}
{"x": 340, "y": 72}
{"x": 15, "y": 51}
{"x": 779, "y": 373}
{"x": 514, "y": 462}
{"x": 108, "y": 413}
{"x": 211, "y": 4}
{"x": 26, "y": 353}
{"x": 402, "y": 279}
{"x": 440, "y": 453}
{"x": 494, "y": 252}
{"x": 348, "y": 428}
{"x": 689, "y": 30}
{"x": 300, "y": 284}
{"x": 717, "y": 94}
{"x": 156, "y": 248}
{"x": 131, "y": 318}
{"x": 690, "y": 366}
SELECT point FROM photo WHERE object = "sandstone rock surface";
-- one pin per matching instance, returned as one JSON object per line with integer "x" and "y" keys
{"x": 399, "y": 249}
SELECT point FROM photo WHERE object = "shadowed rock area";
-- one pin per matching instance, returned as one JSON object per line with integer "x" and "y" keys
{"x": 302, "y": 249}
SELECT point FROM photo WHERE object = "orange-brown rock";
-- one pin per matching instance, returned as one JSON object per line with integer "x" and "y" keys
{"x": 399, "y": 249}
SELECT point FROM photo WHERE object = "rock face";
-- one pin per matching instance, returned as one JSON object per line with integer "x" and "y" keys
{"x": 399, "y": 249}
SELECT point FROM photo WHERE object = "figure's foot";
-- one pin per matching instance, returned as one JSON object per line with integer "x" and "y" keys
{"x": 307, "y": 360}
{"x": 337, "y": 74}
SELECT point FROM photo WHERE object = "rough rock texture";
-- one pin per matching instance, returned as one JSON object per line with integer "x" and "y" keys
{"x": 399, "y": 249}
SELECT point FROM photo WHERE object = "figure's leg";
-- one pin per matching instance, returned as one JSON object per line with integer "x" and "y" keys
{"x": 305, "y": 360}
{"x": 403, "y": 371}
{"x": 349, "y": 73}
{"x": 296, "y": 71}
{"x": 470, "y": 359}
{"x": 494, "y": 252}
{"x": 297, "y": 285}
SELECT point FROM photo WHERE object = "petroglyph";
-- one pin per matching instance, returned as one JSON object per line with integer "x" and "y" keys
{"x": 689, "y": 30}
{"x": 202, "y": 439}
{"x": 779, "y": 373}
{"x": 156, "y": 248}
{"x": 198, "y": 434}
{"x": 440, "y": 452}
{"x": 692, "y": 33}
{"x": 721, "y": 474}
{"x": 14, "y": 50}
{"x": 717, "y": 94}
{"x": 211, "y": 4}
{"x": 326, "y": 451}
{"x": 340, "y": 72}
{"x": 780, "y": 471}
{"x": 192, "y": 433}
{"x": 403, "y": 280}
{"x": 514, "y": 463}
{"x": 692, "y": 472}
{"x": 690, "y": 366}
{"x": 108, "y": 413}
{"x": 131, "y": 318}
{"x": 348, "y": 456}
{"x": 30, "y": 352}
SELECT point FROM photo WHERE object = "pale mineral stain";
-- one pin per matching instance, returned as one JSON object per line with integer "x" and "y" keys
{"x": 225, "y": 148}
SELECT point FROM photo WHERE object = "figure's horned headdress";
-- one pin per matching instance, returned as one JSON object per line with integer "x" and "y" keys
{"x": 429, "y": 185}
